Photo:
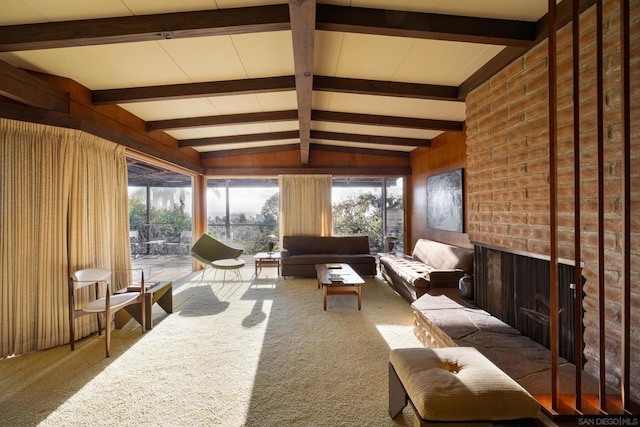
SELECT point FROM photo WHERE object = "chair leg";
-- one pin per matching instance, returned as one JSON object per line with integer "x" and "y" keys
{"x": 203, "y": 271}
{"x": 72, "y": 328}
{"x": 99, "y": 324}
{"x": 107, "y": 338}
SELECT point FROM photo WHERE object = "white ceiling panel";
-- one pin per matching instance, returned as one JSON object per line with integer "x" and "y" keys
{"x": 278, "y": 101}
{"x": 226, "y": 4}
{"x": 351, "y": 103}
{"x": 231, "y": 130}
{"x": 328, "y": 45}
{"x": 18, "y": 12}
{"x": 374, "y": 130}
{"x": 321, "y": 100}
{"x": 65, "y": 10}
{"x": 419, "y": 108}
{"x": 252, "y": 128}
{"x": 283, "y": 126}
{"x": 236, "y": 104}
{"x": 443, "y": 63}
{"x": 104, "y": 66}
{"x": 238, "y": 146}
{"x": 205, "y": 59}
{"x": 204, "y": 132}
{"x": 371, "y": 57}
{"x": 265, "y": 54}
{"x": 146, "y": 7}
{"x": 362, "y": 145}
{"x": 499, "y": 9}
{"x": 173, "y": 109}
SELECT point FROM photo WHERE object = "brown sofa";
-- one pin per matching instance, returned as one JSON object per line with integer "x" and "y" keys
{"x": 431, "y": 265}
{"x": 300, "y": 254}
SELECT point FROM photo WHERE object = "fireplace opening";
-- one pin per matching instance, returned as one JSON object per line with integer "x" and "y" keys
{"x": 514, "y": 287}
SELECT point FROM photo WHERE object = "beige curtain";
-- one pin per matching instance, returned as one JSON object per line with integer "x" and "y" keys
{"x": 63, "y": 204}
{"x": 305, "y": 205}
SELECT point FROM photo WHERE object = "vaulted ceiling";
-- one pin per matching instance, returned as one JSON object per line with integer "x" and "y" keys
{"x": 233, "y": 76}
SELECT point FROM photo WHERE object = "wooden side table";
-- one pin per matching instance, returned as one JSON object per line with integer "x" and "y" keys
{"x": 161, "y": 293}
{"x": 266, "y": 259}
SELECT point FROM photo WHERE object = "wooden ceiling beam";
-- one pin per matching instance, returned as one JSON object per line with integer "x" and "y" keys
{"x": 223, "y": 120}
{"x": 386, "y": 88}
{"x": 193, "y": 90}
{"x": 251, "y": 150}
{"x": 357, "y": 150}
{"x": 235, "y": 139}
{"x": 127, "y": 29}
{"x": 303, "y": 20}
{"x": 390, "y": 121}
{"x": 425, "y": 25}
{"x": 28, "y": 89}
{"x": 274, "y": 84}
{"x": 336, "y": 171}
{"x": 370, "y": 139}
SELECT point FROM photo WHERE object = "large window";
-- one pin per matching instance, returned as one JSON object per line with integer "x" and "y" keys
{"x": 369, "y": 206}
{"x": 160, "y": 210}
{"x": 243, "y": 211}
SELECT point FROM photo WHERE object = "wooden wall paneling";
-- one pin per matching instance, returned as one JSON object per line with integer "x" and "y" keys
{"x": 118, "y": 125}
{"x": 447, "y": 152}
{"x": 336, "y": 162}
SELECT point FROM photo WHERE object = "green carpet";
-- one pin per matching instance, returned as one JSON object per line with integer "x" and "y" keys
{"x": 261, "y": 352}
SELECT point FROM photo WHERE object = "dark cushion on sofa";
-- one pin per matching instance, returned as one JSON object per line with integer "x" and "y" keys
{"x": 300, "y": 254}
{"x": 431, "y": 265}
{"x": 442, "y": 256}
{"x": 310, "y": 245}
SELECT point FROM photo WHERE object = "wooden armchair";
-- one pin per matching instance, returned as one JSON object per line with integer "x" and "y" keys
{"x": 106, "y": 305}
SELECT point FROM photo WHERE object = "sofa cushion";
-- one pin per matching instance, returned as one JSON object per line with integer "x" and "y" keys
{"x": 408, "y": 270}
{"x": 328, "y": 258}
{"x": 309, "y": 245}
{"x": 442, "y": 256}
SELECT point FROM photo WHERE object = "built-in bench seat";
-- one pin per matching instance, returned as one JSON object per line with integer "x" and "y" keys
{"x": 442, "y": 318}
{"x": 456, "y": 385}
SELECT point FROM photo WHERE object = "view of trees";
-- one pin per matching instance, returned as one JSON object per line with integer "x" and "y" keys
{"x": 162, "y": 224}
{"x": 360, "y": 214}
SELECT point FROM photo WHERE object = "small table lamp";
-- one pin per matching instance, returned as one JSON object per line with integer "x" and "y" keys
{"x": 271, "y": 242}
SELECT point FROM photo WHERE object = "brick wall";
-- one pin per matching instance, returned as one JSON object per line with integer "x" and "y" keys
{"x": 508, "y": 170}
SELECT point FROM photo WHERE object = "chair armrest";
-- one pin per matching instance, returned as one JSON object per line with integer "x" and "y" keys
{"x": 284, "y": 253}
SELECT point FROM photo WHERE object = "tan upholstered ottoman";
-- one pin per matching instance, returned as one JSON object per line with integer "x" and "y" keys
{"x": 456, "y": 384}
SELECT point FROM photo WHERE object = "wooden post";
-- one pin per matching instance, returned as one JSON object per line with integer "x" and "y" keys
{"x": 553, "y": 209}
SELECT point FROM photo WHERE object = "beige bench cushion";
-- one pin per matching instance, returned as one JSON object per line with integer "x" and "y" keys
{"x": 460, "y": 384}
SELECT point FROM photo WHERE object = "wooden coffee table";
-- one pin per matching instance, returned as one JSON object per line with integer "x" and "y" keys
{"x": 336, "y": 281}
